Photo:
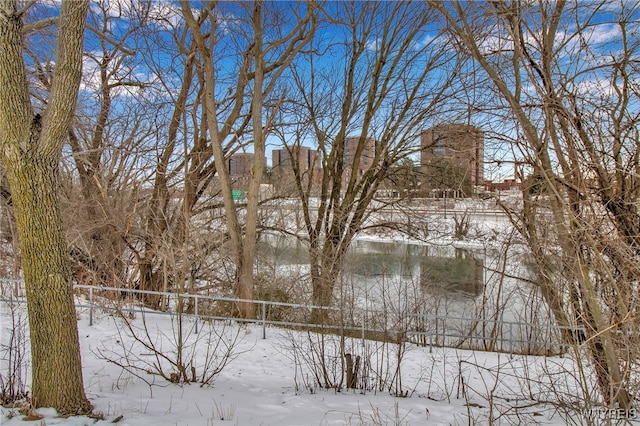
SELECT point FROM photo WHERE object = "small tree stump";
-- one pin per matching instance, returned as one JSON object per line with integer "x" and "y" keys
{"x": 352, "y": 371}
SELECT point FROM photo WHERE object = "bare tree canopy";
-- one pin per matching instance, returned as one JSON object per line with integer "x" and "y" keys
{"x": 122, "y": 125}
{"x": 565, "y": 73}
{"x": 266, "y": 58}
{"x": 363, "y": 109}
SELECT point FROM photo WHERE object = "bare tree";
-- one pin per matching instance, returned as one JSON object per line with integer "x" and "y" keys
{"x": 140, "y": 152}
{"x": 108, "y": 133}
{"x": 364, "y": 109}
{"x": 183, "y": 169}
{"x": 261, "y": 63}
{"x": 565, "y": 75}
{"x": 31, "y": 144}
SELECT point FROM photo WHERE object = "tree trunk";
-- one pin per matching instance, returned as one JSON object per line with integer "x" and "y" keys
{"x": 55, "y": 350}
{"x": 104, "y": 245}
{"x": 324, "y": 277}
{"x": 30, "y": 148}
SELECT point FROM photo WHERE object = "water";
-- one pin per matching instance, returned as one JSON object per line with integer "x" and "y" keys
{"x": 475, "y": 292}
{"x": 439, "y": 269}
{"x": 376, "y": 268}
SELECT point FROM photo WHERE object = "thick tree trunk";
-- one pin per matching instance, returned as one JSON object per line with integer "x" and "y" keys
{"x": 321, "y": 297}
{"x": 57, "y": 374}
{"x": 245, "y": 279}
{"x": 601, "y": 336}
{"x": 30, "y": 148}
{"x": 324, "y": 277}
{"x": 264, "y": 75}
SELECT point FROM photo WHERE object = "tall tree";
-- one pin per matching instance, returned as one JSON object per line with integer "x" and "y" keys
{"x": 564, "y": 73}
{"x": 108, "y": 130}
{"x": 30, "y": 147}
{"x": 265, "y": 57}
{"x": 364, "y": 109}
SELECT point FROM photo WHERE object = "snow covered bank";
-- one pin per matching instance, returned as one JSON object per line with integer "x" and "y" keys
{"x": 259, "y": 387}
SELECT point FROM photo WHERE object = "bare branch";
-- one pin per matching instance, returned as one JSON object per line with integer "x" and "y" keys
{"x": 117, "y": 44}
{"x": 39, "y": 25}
{"x": 26, "y": 7}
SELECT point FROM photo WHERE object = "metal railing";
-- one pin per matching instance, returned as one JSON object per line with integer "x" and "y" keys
{"x": 490, "y": 334}
{"x": 418, "y": 328}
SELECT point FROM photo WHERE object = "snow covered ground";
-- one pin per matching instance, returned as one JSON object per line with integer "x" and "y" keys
{"x": 263, "y": 385}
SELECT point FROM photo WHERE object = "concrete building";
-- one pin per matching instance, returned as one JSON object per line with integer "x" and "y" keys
{"x": 452, "y": 158}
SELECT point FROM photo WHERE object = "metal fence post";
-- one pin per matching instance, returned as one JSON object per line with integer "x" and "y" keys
{"x": 264, "y": 318}
{"x": 90, "y": 306}
{"x": 196, "y": 312}
{"x": 364, "y": 316}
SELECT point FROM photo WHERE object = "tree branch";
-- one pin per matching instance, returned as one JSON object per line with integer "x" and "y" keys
{"x": 26, "y": 7}
{"x": 117, "y": 44}
{"x": 38, "y": 25}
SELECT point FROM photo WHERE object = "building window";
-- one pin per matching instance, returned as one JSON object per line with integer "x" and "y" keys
{"x": 439, "y": 151}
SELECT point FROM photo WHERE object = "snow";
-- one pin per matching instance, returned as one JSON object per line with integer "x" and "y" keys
{"x": 269, "y": 381}
{"x": 263, "y": 386}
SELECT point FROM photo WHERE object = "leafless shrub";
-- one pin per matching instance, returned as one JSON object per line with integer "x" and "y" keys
{"x": 186, "y": 355}
{"x": 357, "y": 349}
{"x": 461, "y": 225}
{"x": 377, "y": 418}
{"x": 15, "y": 360}
{"x": 224, "y": 413}
{"x": 576, "y": 154}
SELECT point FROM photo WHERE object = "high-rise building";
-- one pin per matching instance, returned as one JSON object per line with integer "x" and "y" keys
{"x": 306, "y": 160}
{"x": 240, "y": 164}
{"x": 367, "y": 155}
{"x": 452, "y": 158}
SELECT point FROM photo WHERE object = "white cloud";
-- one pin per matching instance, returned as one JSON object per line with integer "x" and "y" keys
{"x": 51, "y": 3}
{"x": 372, "y": 44}
{"x": 495, "y": 44}
{"x": 91, "y": 80}
{"x": 603, "y": 33}
{"x": 427, "y": 40}
{"x": 600, "y": 87}
{"x": 167, "y": 14}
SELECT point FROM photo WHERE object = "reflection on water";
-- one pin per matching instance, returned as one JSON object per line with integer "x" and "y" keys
{"x": 281, "y": 250}
{"x": 433, "y": 280}
{"x": 462, "y": 273}
{"x": 438, "y": 269}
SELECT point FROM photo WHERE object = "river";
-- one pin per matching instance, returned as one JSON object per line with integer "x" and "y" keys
{"x": 433, "y": 279}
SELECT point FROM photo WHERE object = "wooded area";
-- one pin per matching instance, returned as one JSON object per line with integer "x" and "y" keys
{"x": 119, "y": 121}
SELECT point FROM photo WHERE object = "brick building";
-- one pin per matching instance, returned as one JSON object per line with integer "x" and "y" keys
{"x": 367, "y": 156}
{"x": 452, "y": 158}
{"x": 240, "y": 165}
{"x": 283, "y": 161}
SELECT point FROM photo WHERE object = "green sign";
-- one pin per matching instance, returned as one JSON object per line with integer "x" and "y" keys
{"x": 238, "y": 195}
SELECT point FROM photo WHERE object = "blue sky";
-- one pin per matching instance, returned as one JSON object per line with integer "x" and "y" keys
{"x": 161, "y": 68}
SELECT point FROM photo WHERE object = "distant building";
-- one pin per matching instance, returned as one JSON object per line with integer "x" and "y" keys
{"x": 304, "y": 157}
{"x": 240, "y": 164}
{"x": 306, "y": 160}
{"x": 366, "y": 158}
{"x": 451, "y": 158}
{"x": 240, "y": 169}
{"x": 506, "y": 185}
